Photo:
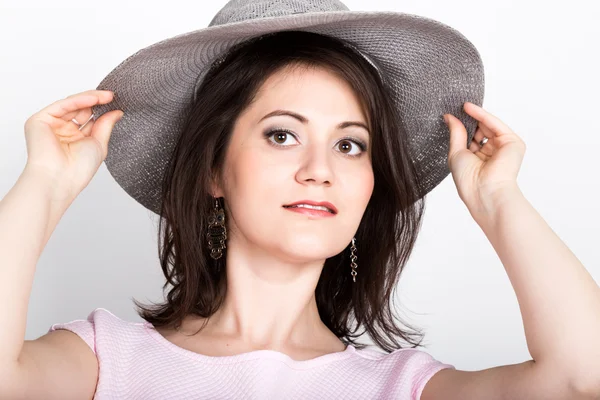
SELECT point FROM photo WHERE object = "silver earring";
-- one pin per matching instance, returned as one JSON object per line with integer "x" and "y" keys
{"x": 217, "y": 232}
{"x": 353, "y": 259}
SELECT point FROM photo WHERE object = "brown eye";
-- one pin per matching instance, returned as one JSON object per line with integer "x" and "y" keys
{"x": 345, "y": 146}
{"x": 280, "y": 137}
{"x": 277, "y": 137}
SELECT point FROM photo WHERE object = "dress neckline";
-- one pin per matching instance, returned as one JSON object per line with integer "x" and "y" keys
{"x": 250, "y": 355}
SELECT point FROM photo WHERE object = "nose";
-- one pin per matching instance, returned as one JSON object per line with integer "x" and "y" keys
{"x": 316, "y": 167}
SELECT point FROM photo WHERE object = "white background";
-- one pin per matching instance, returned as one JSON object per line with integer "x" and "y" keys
{"x": 541, "y": 63}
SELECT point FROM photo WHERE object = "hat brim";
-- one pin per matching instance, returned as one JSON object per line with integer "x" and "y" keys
{"x": 431, "y": 67}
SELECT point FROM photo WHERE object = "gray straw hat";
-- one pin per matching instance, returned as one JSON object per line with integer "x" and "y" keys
{"x": 431, "y": 68}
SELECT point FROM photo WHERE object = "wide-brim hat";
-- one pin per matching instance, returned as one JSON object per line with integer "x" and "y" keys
{"x": 431, "y": 68}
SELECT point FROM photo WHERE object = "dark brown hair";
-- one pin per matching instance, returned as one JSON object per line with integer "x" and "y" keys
{"x": 387, "y": 231}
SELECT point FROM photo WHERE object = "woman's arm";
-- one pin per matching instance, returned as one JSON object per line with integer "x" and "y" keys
{"x": 558, "y": 299}
{"x": 29, "y": 214}
{"x": 560, "y": 305}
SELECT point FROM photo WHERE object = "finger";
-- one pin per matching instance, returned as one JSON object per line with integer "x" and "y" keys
{"x": 80, "y": 115}
{"x": 85, "y": 122}
{"x": 485, "y": 130}
{"x": 76, "y": 128}
{"x": 487, "y": 121}
{"x": 103, "y": 127}
{"x": 474, "y": 147}
{"x": 88, "y": 111}
{"x": 458, "y": 135}
{"x": 487, "y": 147}
{"x": 83, "y": 117}
{"x": 91, "y": 91}
{"x": 72, "y": 132}
{"x": 61, "y": 108}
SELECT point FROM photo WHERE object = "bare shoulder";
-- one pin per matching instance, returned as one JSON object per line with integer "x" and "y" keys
{"x": 57, "y": 365}
{"x": 515, "y": 381}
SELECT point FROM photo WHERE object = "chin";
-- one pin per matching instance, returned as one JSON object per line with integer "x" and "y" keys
{"x": 307, "y": 248}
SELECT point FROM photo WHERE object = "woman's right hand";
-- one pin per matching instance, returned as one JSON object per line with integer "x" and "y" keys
{"x": 63, "y": 154}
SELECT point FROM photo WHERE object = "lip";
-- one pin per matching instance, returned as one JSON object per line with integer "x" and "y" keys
{"x": 312, "y": 213}
{"x": 313, "y": 203}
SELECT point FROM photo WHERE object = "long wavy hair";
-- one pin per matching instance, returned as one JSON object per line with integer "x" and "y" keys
{"x": 386, "y": 234}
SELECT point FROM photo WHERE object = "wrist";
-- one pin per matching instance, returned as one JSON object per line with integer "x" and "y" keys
{"x": 54, "y": 189}
{"x": 494, "y": 202}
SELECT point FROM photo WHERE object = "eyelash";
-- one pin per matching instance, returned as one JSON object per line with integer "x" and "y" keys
{"x": 271, "y": 132}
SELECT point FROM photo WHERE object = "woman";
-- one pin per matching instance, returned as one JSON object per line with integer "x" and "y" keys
{"x": 265, "y": 283}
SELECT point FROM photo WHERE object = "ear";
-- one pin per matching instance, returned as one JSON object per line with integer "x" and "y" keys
{"x": 215, "y": 189}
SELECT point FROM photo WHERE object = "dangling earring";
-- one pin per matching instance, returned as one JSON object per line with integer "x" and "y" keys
{"x": 353, "y": 259}
{"x": 217, "y": 232}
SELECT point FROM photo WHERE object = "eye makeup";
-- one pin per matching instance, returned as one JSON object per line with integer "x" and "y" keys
{"x": 270, "y": 132}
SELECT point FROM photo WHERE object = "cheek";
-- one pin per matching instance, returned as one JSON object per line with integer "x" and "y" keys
{"x": 368, "y": 185}
{"x": 256, "y": 194}
{"x": 358, "y": 185}
{"x": 256, "y": 182}
{"x": 257, "y": 173}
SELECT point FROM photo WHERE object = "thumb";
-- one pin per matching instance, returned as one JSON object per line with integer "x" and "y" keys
{"x": 458, "y": 136}
{"x": 103, "y": 129}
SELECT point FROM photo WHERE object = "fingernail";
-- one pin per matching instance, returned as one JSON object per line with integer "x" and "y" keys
{"x": 446, "y": 118}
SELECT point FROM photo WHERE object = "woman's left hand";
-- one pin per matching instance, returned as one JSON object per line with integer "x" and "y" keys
{"x": 482, "y": 174}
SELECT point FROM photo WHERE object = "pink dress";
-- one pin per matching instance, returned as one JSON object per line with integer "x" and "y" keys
{"x": 137, "y": 362}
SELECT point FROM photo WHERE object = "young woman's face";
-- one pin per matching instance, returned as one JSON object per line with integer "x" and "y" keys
{"x": 313, "y": 160}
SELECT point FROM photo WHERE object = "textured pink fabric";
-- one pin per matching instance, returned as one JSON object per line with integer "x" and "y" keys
{"x": 137, "y": 362}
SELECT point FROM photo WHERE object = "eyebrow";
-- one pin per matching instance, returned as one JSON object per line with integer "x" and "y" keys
{"x": 304, "y": 120}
